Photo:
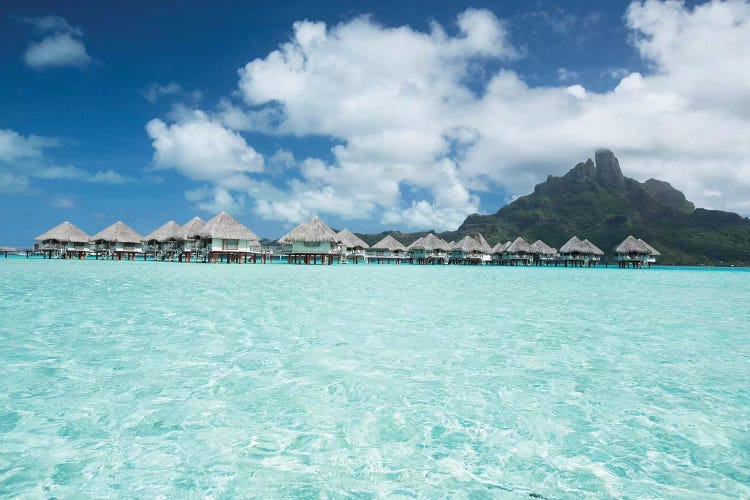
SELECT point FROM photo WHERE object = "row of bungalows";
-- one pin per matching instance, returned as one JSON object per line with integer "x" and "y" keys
{"x": 221, "y": 239}
{"x": 224, "y": 239}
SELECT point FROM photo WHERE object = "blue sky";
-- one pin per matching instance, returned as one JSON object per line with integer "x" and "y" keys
{"x": 137, "y": 111}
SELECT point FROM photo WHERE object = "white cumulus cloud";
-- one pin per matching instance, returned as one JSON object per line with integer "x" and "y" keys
{"x": 420, "y": 136}
{"x": 61, "y": 47}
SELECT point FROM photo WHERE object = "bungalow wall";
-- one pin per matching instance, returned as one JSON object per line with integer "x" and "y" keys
{"x": 311, "y": 247}
{"x": 226, "y": 245}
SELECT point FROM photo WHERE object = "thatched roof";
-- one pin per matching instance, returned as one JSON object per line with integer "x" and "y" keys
{"x": 635, "y": 245}
{"x": 467, "y": 245}
{"x": 351, "y": 240}
{"x": 486, "y": 248}
{"x": 519, "y": 245}
{"x": 594, "y": 249}
{"x": 314, "y": 230}
{"x": 191, "y": 229}
{"x": 541, "y": 248}
{"x": 415, "y": 242}
{"x": 169, "y": 231}
{"x": 575, "y": 245}
{"x": 500, "y": 247}
{"x": 430, "y": 243}
{"x": 118, "y": 232}
{"x": 631, "y": 245}
{"x": 389, "y": 243}
{"x": 226, "y": 227}
{"x": 64, "y": 232}
{"x": 653, "y": 250}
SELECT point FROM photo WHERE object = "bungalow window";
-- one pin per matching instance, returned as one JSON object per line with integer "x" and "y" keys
{"x": 128, "y": 246}
{"x": 312, "y": 244}
{"x": 231, "y": 244}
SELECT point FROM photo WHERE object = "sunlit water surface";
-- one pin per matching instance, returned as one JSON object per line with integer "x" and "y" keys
{"x": 190, "y": 380}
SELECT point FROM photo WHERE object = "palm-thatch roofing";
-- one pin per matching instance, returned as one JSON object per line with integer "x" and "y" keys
{"x": 594, "y": 249}
{"x": 191, "y": 229}
{"x": 351, "y": 240}
{"x": 575, "y": 245}
{"x": 486, "y": 248}
{"x": 118, "y": 232}
{"x": 467, "y": 244}
{"x": 653, "y": 250}
{"x": 631, "y": 245}
{"x": 430, "y": 243}
{"x": 500, "y": 247}
{"x": 389, "y": 243}
{"x": 226, "y": 227}
{"x": 541, "y": 248}
{"x": 313, "y": 230}
{"x": 64, "y": 232}
{"x": 169, "y": 231}
{"x": 519, "y": 245}
{"x": 415, "y": 242}
{"x": 636, "y": 246}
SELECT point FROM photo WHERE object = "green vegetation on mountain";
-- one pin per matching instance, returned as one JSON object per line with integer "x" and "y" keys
{"x": 595, "y": 201}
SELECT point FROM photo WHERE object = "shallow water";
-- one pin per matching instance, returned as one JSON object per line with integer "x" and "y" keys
{"x": 190, "y": 380}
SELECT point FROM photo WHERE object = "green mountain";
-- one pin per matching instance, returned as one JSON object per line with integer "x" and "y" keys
{"x": 596, "y": 201}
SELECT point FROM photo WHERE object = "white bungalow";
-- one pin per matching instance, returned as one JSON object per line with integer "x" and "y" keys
{"x": 161, "y": 241}
{"x": 118, "y": 241}
{"x": 187, "y": 240}
{"x": 387, "y": 250}
{"x": 65, "y": 240}
{"x": 351, "y": 247}
{"x": 467, "y": 251}
{"x": 309, "y": 242}
{"x": 224, "y": 239}
{"x": 430, "y": 250}
{"x": 518, "y": 252}
{"x": 636, "y": 253}
{"x": 579, "y": 254}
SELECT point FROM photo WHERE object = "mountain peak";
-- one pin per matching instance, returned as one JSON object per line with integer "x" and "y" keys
{"x": 608, "y": 172}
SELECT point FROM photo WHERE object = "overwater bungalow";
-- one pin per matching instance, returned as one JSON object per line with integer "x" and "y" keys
{"x": 351, "y": 247}
{"x": 187, "y": 240}
{"x": 576, "y": 253}
{"x": 430, "y": 250}
{"x": 486, "y": 248}
{"x": 161, "y": 241}
{"x": 597, "y": 252}
{"x": 309, "y": 242}
{"x": 387, "y": 250}
{"x": 636, "y": 253}
{"x": 496, "y": 254}
{"x": 467, "y": 251}
{"x": 118, "y": 241}
{"x": 65, "y": 240}
{"x": 518, "y": 252}
{"x": 543, "y": 253}
{"x": 224, "y": 239}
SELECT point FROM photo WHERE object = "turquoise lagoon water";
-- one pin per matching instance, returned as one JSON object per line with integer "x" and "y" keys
{"x": 189, "y": 380}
